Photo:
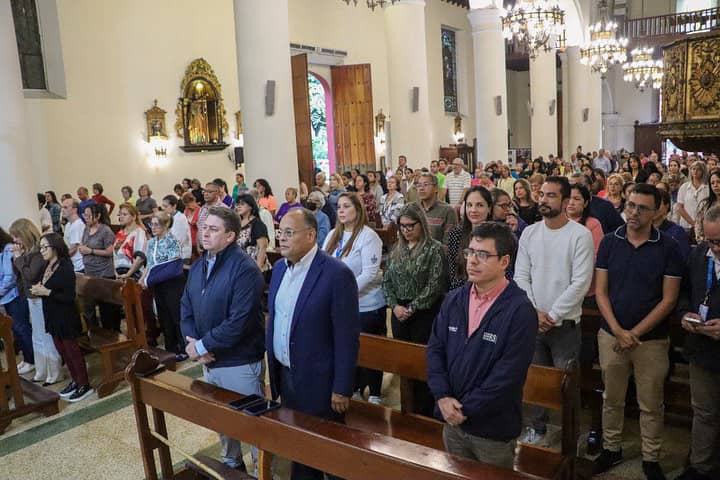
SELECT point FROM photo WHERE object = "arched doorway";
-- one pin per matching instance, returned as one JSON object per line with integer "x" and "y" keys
{"x": 321, "y": 123}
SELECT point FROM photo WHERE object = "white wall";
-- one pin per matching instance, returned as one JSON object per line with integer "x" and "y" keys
{"x": 119, "y": 56}
{"x": 623, "y": 104}
{"x": 518, "y": 88}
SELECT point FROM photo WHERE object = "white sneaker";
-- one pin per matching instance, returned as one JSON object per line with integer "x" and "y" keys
{"x": 375, "y": 400}
{"x": 24, "y": 367}
{"x": 532, "y": 437}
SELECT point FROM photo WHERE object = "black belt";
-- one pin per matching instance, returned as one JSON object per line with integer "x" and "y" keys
{"x": 568, "y": 324}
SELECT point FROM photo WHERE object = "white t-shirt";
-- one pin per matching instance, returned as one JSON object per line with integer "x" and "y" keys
{"x": 691, "y": 197}
{"x": 73, "y": 236}
{"x": 555, "y": 268}
{"x": 45, "y": 220}
{"x": 364, "y": 260}
{"x": 181, "y": 231}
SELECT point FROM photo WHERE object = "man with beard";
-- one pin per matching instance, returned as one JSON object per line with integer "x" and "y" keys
{"x": 555, "y": 267}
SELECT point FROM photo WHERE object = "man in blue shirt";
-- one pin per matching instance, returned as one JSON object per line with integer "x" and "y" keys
{"x": 222, "y": 318}
{"x": 638, "y": 275}
{"x": 85, "y": 200}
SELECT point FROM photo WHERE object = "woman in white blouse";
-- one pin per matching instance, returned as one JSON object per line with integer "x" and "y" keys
{"x": 360, "y": 248}
{"x": 391, "y": 203}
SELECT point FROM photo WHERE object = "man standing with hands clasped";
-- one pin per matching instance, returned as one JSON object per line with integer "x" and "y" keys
{"x": 479, "y": 352}
{"x": 637, "y": 280}
{"x": 221, "y": 316}
{"x": 313, "y": 333}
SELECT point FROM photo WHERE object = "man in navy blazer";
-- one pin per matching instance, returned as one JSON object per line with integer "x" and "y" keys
{"x": 313, "y": 333}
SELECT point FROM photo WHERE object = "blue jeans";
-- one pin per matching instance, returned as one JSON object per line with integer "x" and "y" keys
{"x": 18, "y": 310}
{"x": 245, "y": 379}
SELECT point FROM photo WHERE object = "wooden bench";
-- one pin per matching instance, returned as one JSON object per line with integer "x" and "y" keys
{"x": 545, "y": 387}
{"x": 116, "y": 348}
{"x": 27, "y": 396}
{"x": 334, "y": 448}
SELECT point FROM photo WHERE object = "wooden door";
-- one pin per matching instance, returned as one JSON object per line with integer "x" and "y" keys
{"x": 301, "y": 107}
{"x": 353, "y": 113}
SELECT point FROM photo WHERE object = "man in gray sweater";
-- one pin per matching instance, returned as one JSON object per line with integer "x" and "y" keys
{"x": 554, "y": 266}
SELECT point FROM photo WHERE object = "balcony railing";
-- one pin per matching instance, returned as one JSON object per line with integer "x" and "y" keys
{"x": 672, "y": 24}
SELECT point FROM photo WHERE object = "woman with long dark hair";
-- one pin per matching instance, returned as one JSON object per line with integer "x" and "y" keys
{"x": 15, "y": 304}
{"x": 523, "y": 202}
{"x": 362, "y": 185}
{"x": 578, "y": 210}
{"x": 29, "y": 267}
{"x": 712, "y": 199}
{"x": 62, "y": 322}
{"x": 253, "y": 237}
{"x": 478, "y": 207}
{"x": 415, "y": 283}
{"x": 267, "y": 201}
{"x": 360, "y": 248}
{"x": 52, "y": 205}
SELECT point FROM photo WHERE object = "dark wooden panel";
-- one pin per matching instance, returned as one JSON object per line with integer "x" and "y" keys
{"x": 353, "y": 113}
{"x": 646, "y": 138}
{"x": 301, "y": 104}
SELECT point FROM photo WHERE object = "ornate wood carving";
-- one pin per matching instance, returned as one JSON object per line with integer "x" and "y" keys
{"x": 674, "y": 83}
{"x": 703, "y": 92}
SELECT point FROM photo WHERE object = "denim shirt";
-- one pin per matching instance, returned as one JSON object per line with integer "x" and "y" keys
{"x": 8, "y": 285}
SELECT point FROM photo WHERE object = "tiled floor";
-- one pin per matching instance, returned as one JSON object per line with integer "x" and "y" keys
{"x": 96, "y": 439}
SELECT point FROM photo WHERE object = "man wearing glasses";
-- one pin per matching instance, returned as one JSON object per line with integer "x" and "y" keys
{"x": 441, "y": 217}
{"x": 212, "y": 197}
{"x": 313, "y": 332}
{"x": 555, "y": 268}
{"x": 638, "y": 275}
{"x": 480, "y": 350}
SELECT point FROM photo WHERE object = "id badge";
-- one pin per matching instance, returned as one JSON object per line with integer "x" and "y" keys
{"x": 703, "y": 312}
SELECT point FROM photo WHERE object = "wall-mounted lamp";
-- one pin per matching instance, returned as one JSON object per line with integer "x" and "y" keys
{"x": 458, "y": 134}
{"x": 156, "y": 131}
{"x": 159, "y": 145}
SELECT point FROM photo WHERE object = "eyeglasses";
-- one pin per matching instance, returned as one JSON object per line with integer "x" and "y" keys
{"x": 406, "y": 227}
{"x": 154, "y": 224}
{"x": 44, "y": 247}
{"x": 714, "y": 243}
{"x": 425, "y": 185}
{"x": 504, "y": 206}
{"x": 480, "y": 255}
{"x": 290, "y": 233}
{"x": 641, "y": 209}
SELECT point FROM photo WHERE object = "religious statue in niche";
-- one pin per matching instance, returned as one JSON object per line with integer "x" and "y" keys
{"x": 155, "y": 118}
{"x": 200, "y": 110}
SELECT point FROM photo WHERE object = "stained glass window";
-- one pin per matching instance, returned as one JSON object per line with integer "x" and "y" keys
{"x": 449, "y": 56}
{"x": 27, "y": 32}
{"x": 318, "y": 123}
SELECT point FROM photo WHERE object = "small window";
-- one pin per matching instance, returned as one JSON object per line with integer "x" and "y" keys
{"x": 449, "y": 57}
{"x": 27, "y": 32}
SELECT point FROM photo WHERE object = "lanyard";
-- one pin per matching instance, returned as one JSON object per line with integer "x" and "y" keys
{"x": 709, "y": 280}
{"x": 338, "y": 251}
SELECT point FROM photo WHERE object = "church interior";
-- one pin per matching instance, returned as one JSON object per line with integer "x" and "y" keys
{"x": 134, "y": 92}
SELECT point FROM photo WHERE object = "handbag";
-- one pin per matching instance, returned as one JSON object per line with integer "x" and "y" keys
{"x": 163, "y": 271}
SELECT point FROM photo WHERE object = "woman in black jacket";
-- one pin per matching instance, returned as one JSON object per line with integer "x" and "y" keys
{"x": 62, "y": 322}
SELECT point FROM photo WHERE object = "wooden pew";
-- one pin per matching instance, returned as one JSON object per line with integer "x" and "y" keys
{"x": 332, "y": 447}
{"x": 27, "y": 396}
{"x": 546, "y": 387}
{"x": 116, "y": 348}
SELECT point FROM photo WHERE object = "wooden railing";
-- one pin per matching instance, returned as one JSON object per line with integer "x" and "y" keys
{"x": 671, "y": 24}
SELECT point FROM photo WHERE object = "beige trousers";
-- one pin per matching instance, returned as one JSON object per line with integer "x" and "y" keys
{"x": 649, "y": 364}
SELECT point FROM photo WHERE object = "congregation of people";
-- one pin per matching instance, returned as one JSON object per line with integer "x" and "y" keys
{"x": 490, "y": 269}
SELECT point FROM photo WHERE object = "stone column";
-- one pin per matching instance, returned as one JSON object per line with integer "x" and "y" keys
{"x": 411, "y": 132}
{"x": 490, "y": 84}
{"x": 543, "y": 96}
{"x": 583, "y": 91}
{"x": 16, "y": 179}
{"x": 269, "y": 140}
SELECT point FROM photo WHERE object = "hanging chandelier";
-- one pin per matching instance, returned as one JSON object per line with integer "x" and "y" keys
{"x": 604, "y": 49}
{"x": 643, "y": 71}
{"x": 536, "y": 24}
{"x": 372, "y": 4}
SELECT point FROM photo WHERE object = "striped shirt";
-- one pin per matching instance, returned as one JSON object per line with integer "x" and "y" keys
{"x": 455, "y": 184}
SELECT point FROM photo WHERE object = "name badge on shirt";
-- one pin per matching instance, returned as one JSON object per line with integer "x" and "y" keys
{"x": 490, "y": 337}
{"x": 452, "y": 329}
{"x": 703, "y": 312}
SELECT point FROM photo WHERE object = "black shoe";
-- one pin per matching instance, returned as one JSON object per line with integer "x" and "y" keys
{"x": 69, "y": 390}
{"x": 607, "y": 460}
{"x": 594, "y": 442}
{"x": 653, "y": 471}
{"x": 181, "y": 357}
{"x": 80, "y": 394}
{"x": 692, "y": 474}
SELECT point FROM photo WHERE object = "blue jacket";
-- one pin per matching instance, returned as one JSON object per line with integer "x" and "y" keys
{"x": 8, "y": 284}
{"x": 224, "y": 310}
{"x": 324, "y": 335}
{"x": 486, "y": 372}
{"x": 606, "y": 214}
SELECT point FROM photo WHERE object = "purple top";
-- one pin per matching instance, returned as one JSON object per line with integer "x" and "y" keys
{"x": 284, "y": 208}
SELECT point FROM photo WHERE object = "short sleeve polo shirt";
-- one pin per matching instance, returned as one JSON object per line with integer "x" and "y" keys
{"x": 635, "y": 276}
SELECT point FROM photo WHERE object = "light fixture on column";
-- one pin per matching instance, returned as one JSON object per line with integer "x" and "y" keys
{"x": 537, "y": 24}
{"x": 380, "y": 133}
{"x": 605, "y": 48}
{"x": 374, "y": 3}
{"x": 643, "y": 71}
